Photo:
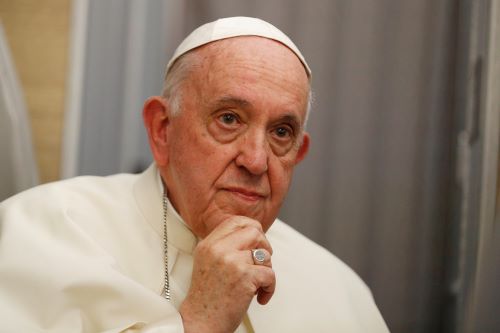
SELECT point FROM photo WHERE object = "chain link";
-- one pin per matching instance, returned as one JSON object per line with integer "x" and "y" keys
{"x": 166, "y": 285}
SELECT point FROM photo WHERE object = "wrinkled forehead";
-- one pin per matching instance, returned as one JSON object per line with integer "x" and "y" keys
{"x": 249, "y": 64}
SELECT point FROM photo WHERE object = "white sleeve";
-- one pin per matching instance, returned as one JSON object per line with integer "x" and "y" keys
{"x": 55, "y": 277}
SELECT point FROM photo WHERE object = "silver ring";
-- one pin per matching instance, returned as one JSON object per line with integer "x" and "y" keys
{"x": 259, "y": 256}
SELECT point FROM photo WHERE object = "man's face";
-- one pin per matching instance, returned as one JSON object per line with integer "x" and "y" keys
{"x": 232, "y": 147}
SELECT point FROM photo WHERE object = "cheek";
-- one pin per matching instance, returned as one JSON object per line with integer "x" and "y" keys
{"x": 280, "y": 175}
{"x": 197, "y": 160}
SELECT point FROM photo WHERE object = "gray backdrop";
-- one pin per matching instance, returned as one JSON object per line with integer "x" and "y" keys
{"x": 375, "y": 188}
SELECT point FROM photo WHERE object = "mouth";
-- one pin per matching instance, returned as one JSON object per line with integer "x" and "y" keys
{"x": 247, "y": 195}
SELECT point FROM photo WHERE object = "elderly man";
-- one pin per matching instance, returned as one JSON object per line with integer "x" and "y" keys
{"x": 192, "y": 244}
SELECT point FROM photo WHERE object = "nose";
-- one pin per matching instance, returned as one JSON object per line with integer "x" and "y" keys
{"x": 253, "y": 153}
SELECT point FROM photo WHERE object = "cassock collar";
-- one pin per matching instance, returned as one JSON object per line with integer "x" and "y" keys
{"x": 148, "y": 193}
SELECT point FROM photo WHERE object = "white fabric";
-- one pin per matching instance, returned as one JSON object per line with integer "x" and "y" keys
{"x": 232, "y": 27}
{"x": 85, "y": 255}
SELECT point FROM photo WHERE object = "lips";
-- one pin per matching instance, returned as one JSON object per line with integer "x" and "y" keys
{"x": 246, "y": 194}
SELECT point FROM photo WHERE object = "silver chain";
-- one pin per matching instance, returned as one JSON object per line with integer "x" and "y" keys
{"x": 166, "y": 285}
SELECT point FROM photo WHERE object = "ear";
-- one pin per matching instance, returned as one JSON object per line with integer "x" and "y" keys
{"x": 156, "y": 118}
{"x": 303, "y": 149}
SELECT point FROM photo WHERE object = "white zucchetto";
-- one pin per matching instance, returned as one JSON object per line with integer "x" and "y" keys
{"x": 234, "y": 27}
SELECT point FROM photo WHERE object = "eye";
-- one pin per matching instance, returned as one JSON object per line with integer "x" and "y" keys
{"x": 228, "y": 118}
{"x": 282, "y": 132}
{"x": 282, "y": 138}
{"x": 226, "y": 125}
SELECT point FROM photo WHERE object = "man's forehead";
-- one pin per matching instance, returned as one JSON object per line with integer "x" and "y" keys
{"x": 230, "y": 69}
{"x": 233, "y": 27}
{"x": 253, "y": 47}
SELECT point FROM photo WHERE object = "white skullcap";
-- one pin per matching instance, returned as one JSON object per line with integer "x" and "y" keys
{"x": 233, "y": 27}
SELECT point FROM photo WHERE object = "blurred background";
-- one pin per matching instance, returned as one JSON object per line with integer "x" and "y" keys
{"x": 402, "y": 180}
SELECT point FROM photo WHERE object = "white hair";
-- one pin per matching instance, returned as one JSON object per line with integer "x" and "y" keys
{"x": 175, "y": 77}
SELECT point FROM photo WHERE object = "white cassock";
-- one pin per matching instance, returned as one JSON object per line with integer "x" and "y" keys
{"x": 86, "y": 255}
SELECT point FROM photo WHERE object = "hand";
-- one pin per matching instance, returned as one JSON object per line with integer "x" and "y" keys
{"x": 225, "y": 278}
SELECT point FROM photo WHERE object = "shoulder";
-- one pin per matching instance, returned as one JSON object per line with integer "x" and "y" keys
{"x": 317, "y": 284}
{"x": 69, "y": 207}
{"x": 82, "y": 185}
{"x": 74, "y": 238}
{"x": 89, "y": 217}
{"x": 75, "y": 191}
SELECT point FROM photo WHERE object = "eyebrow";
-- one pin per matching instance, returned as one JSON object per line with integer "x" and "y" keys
{"x": 292, "y": 119}
{"x": 225, "y": 100}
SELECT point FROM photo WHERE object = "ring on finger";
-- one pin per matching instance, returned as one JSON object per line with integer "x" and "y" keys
{"x": 258, "y": 256}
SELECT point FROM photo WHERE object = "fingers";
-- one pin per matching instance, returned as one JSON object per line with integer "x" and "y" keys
{"x": 231, "y": 225}
{"x": 248, "y": 238}
{"x": 267, "y": 257}
{"x": 225, "y": 265}
{"x": 266, "y": 279}
{"x": 241, "y": 233}
{"x": 246, "y": 256}
{"x": 263, "y": 297}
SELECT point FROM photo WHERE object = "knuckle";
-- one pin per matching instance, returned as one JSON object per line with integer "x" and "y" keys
{"x": 256, "y": 224}
{"x": 226, "y": 260}
{"x": 218, "y": 253}
{"x": 242, "y": 271}
{"x": 238, "y": 221}
{"x": 255, "y": 234}
{"x": 234, "y": 220}
{"x": 208, "y": 250}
